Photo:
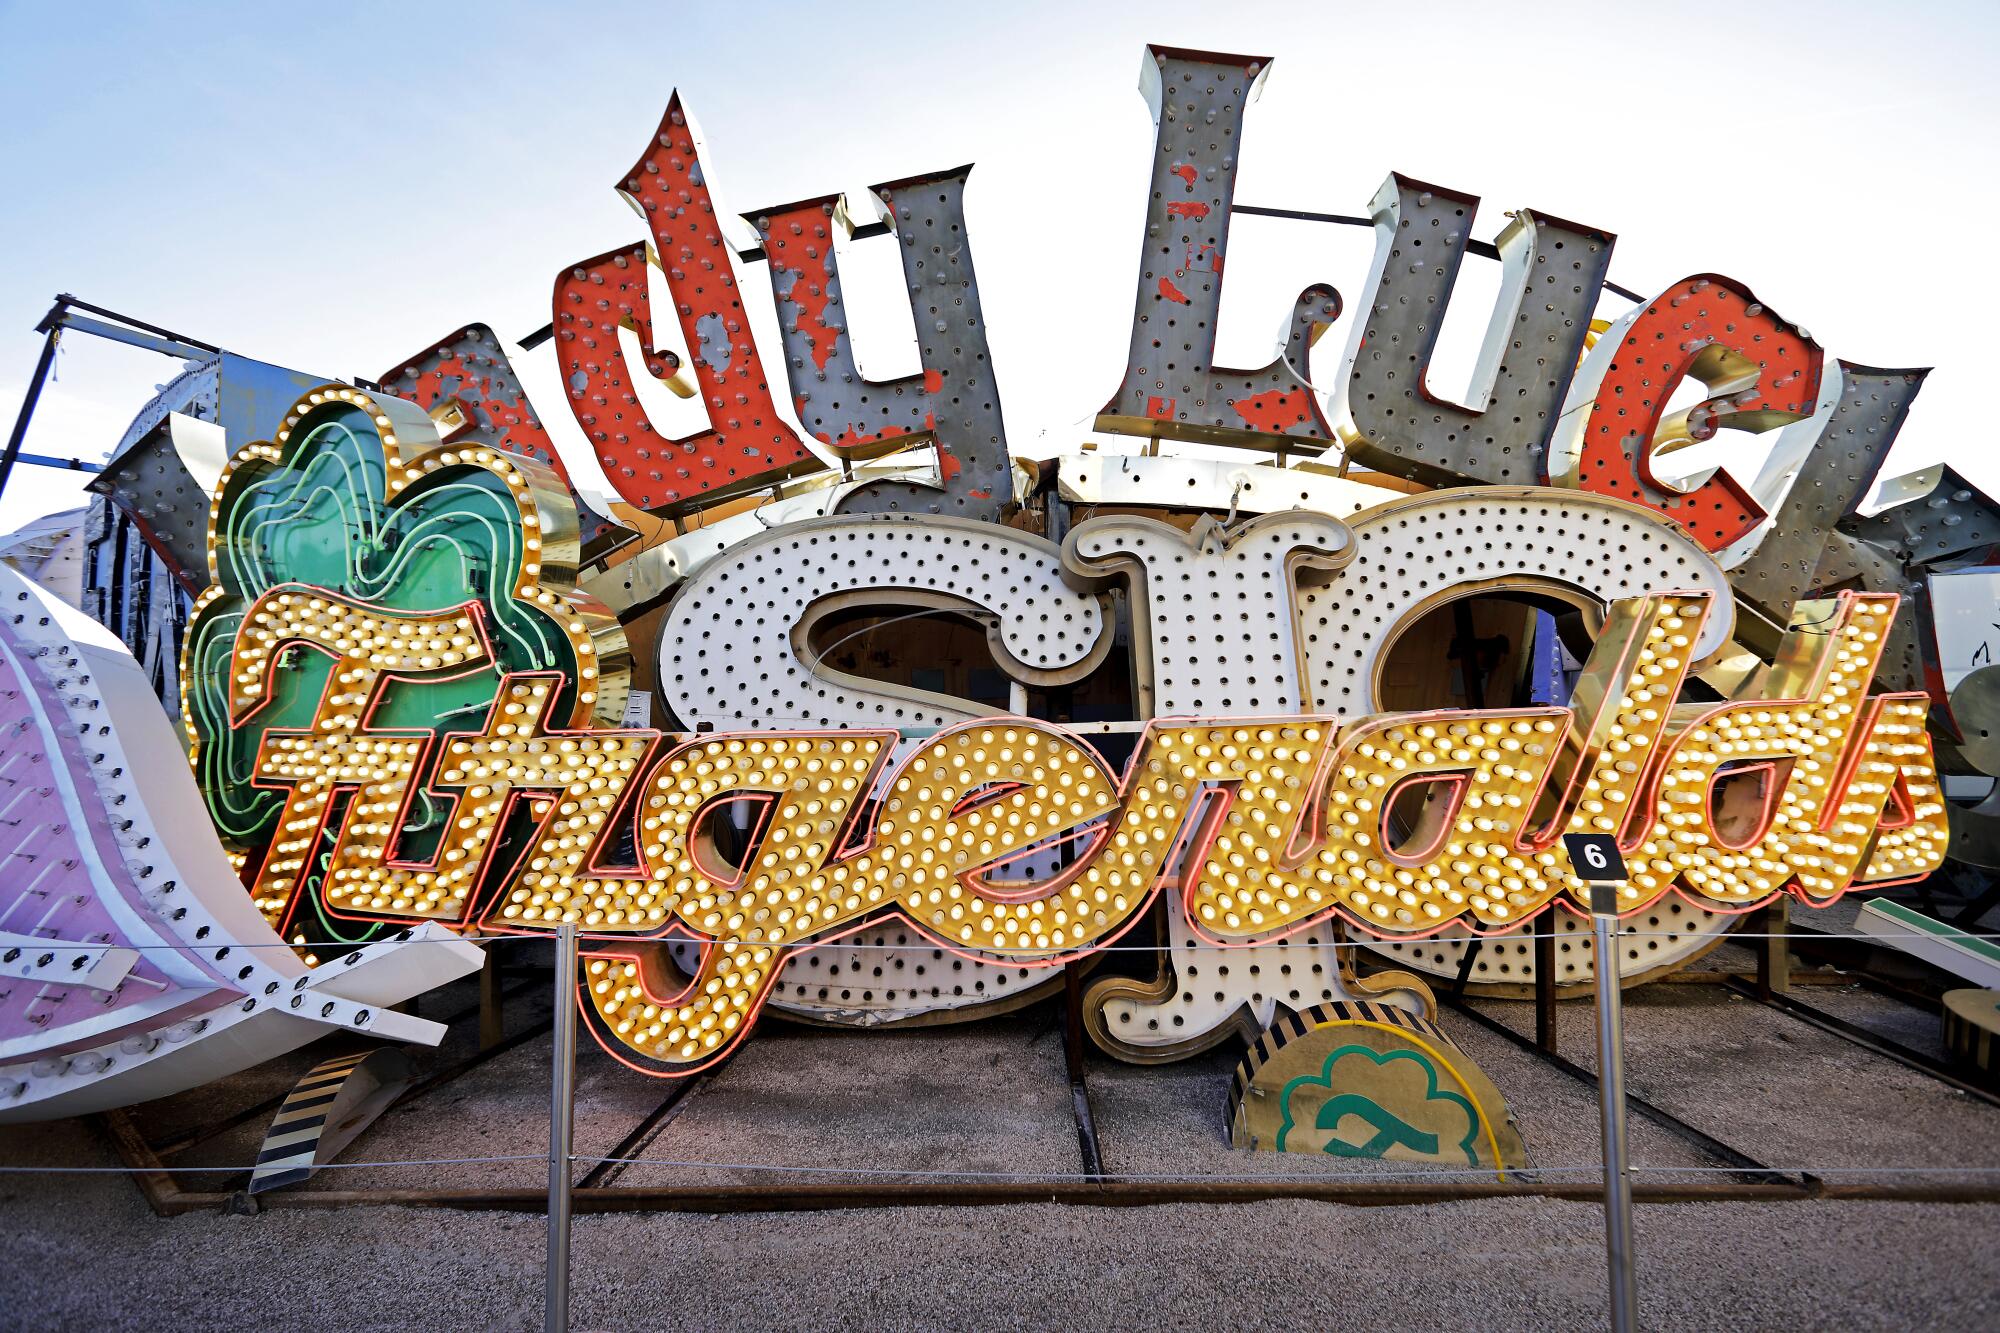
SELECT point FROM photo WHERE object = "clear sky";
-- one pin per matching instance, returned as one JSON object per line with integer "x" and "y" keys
{"x": 332, "y": 187}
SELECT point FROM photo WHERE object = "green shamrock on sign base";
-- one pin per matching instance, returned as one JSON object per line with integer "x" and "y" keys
{"x": 356, "y": 498}
{"x": 1423, "y": 1121}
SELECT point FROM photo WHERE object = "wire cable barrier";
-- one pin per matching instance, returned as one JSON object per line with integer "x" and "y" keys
{"x": 1031, "y": 1177}
{"x": 800, "y": 946}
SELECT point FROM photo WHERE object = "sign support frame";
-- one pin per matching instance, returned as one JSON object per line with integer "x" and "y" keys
{"x": 1597, "y": 861}
{"x": 562, "y": 1131}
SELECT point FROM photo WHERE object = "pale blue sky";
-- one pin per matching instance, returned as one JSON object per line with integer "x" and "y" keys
{"x": 333, "y": 188}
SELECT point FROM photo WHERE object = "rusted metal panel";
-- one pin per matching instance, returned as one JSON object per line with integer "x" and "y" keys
{"x": 1388, "y": 417}
{"x": 1817, "y": 542}
{"x": 166, "y": 507}
{"x": 840, "y": 406}
{"x": 1172, "y": 386}
{"x": 1893, "y": 551}
{"x": 1834, "y": 477}
{"x": 747, "y": 444}
{"x": 150, "y": 483}
{"x": 1955, "y": 520}
{"x": 955, "y": 397}
{"x": 150, "y": 486}
{"x": 253, "y": 396}
{"x": 467, "y": 383}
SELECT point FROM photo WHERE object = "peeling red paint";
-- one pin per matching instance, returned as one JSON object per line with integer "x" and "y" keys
{"x": 747, "y": 443}
{"x": 980, "y": 495}
{"x": 471, "y": 368}
{"x": 805, "y": 277}
{"x": 799, "y": 245}
{"x": 1191, "y": 192}
{"x": 1676, "y": 327}
{"x": 853, "y": 439}
{"x": 948, "y": 465}
{"x": 1192, "y": 263}
{"x": 1274, "y": 410}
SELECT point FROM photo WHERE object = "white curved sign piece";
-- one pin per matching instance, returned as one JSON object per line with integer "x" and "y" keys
{"x": 734, "y": 647}
{"x": 137, "y": 964}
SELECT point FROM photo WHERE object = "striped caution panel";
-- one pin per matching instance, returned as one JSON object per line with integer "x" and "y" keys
{"x": 1290, "y": 1026}
{"x": 291, "y": 1145}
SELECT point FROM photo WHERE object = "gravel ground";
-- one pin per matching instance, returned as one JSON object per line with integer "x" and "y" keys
{"x": 993, "y": 1097}
{"x": 1771, "y": 1086}
{"x": 1904, "y": 1024}
{"x": 1490, "y": 1265}
{"x": 987, "y": 1097}
{"x": 1173, "y": 1119}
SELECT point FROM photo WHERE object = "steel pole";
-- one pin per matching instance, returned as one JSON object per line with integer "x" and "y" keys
{"x": 1611, "y": 1100}
{"x": 35, "y": 382}
{"x": 562, "y": 1108}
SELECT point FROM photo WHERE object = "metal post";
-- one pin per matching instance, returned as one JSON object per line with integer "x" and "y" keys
{"x": 492, "y": 1021}
{"x": 1611, "y": 1098}
{"x": 562, "y": 1089}
{"x": 1774, "y": 951}
{"x": 1466, "y": 962}
{"x": 1079, "y": 1088}
{"x": 1545, "y": 983}
{"x": 35, "y": 382}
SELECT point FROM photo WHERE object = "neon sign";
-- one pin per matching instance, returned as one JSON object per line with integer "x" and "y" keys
{"x": 1399, "y": 824}
{"x": 317, "y": 541}
{"x": 406, "y": 685}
